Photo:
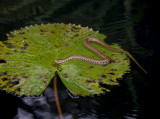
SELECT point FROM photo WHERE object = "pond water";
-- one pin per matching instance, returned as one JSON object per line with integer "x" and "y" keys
{"x": 126, "y": 23}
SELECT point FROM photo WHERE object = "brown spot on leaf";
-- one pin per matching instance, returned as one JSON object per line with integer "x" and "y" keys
{"x": 111, "y": 73}
{"x": 103, "y": 76}
{"x": 9, "y": 45}
{"x": 66, "y": 44}
{"x": 40, "y": 76}
{"x": 25, "y": 46}
{"x": 14, "y": 77}
{"x": 22, "y": 52}
{"x": 125, "y": 59}
{"x": 18, "y": 89}
{"x": 103, "y": 52}
{"x": 27, "y": 65}
{"x": 8, "y": 53}
{"x": 114, "y": 69}
{"x": 4, "y": 79}
{"x": 2, "y": 61}
{"x": 15, "y": 50}
{"x": 25, "y": 77}
{"x": 42, "y": 30}
{"x": 21, "y": 32}
{"x": 59, "y": 69}
{"x": 89, "y": 88}
{"x": 12, "y": 83}
{"x": 11, "y": 35}
{"x": 52, "y": 31}
{"x": 112, "y": 54}
{"x": 56, "y": 46}
{"x": 62, "y": 28}
{"x": 90, "y": 67}
{"x": 3, "y": 73}
{"x": 90, "y": 81}
{"x": 65, "y": 75}
{"x": 74, "y": 28}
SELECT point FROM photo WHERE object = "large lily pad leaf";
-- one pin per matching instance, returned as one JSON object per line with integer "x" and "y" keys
{"x": 28, "y": 60}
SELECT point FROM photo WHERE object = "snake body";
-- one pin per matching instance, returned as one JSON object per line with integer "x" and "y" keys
{"x": 94, "y": 61}
{"x": 105, "y": 60}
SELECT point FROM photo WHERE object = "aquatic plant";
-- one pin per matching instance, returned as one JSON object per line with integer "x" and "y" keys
{"x": 29, "y": 60}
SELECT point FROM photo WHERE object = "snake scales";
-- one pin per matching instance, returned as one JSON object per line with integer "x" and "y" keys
{"x": 105, "y": 60}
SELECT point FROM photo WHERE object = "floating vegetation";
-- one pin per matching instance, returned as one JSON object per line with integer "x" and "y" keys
{"x": 28, "y": 60}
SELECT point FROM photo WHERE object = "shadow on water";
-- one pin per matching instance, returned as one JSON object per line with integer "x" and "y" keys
{"x": 124, "y": 22}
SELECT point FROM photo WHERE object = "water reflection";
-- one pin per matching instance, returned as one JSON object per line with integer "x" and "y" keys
{"x": 114, "y": 105}
{"x": 37, "y": 107}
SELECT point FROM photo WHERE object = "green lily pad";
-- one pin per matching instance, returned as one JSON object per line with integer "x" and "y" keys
{"x": 28, "y": 60}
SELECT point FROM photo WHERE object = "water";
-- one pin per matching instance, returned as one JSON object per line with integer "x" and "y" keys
{"x": 127, "y": 23}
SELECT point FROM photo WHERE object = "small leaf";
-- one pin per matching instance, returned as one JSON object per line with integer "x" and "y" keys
{"x": 28, "y": 60}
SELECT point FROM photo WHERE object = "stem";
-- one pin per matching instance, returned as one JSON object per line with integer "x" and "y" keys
{"x": 56, "y": 96}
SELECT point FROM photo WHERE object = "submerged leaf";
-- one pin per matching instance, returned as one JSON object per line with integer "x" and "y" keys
{"x": 28, "y": 60}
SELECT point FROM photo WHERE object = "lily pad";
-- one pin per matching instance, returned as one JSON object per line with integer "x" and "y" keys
{"x": 28, "y": 60}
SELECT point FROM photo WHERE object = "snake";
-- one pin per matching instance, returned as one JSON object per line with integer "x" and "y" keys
{"x": 104, "y": 59}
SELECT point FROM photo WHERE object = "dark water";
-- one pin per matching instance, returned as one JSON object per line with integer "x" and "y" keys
{"x": 130, "y": 23}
